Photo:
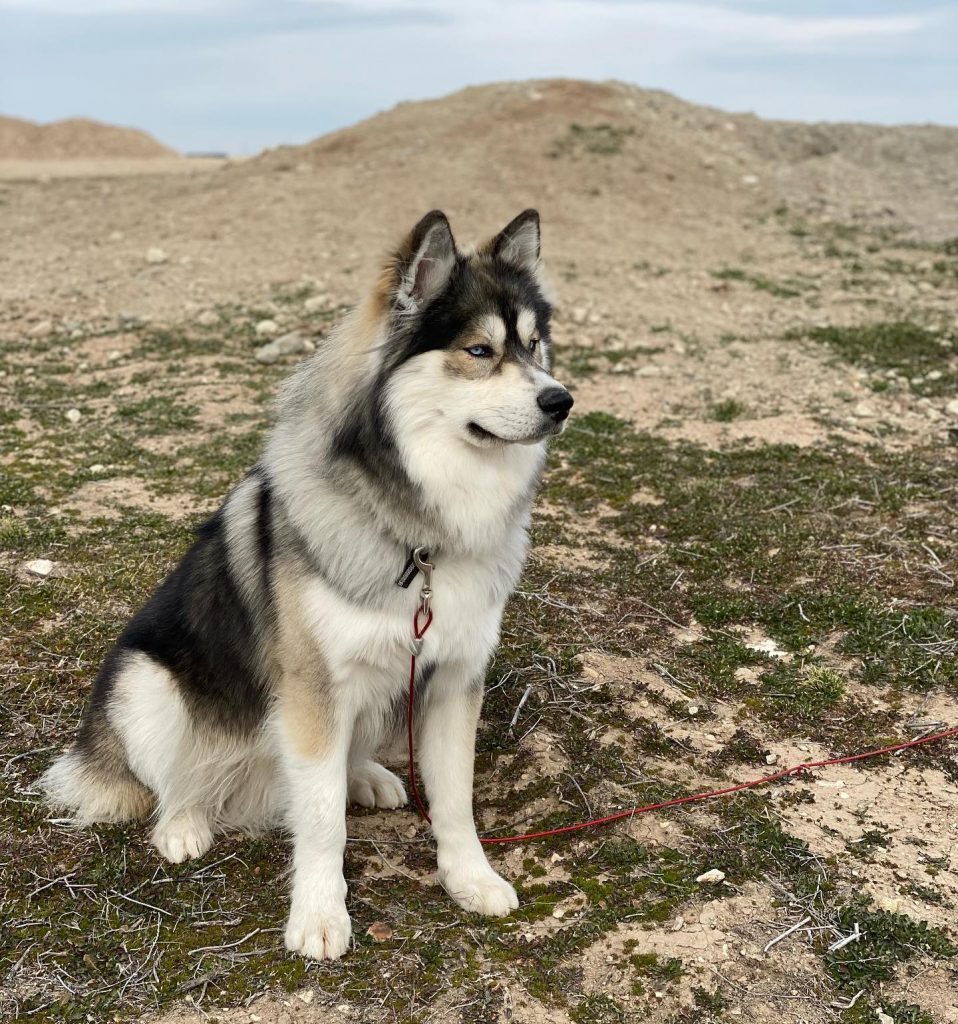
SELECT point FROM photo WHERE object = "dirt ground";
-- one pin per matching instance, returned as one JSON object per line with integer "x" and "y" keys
{"x": 744, "y": 558}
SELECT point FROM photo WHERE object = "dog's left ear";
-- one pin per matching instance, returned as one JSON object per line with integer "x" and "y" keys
{"x": 518, "y": 242}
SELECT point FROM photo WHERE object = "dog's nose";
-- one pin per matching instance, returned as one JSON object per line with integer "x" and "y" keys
{"x": 555, "y": 402}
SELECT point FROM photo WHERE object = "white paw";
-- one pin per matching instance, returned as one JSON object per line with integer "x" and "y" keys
{"x": 317, "y": 931}
{"x": 480, "y": 890}
{"x": 371, "y": 785}
{"x": 185, "y": 835}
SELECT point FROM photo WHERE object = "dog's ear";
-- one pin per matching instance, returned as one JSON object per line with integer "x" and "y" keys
{"x": 518, "y": 242}
{"x": 422, "y": 265}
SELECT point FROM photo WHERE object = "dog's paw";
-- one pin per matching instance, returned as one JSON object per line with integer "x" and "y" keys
{"x": 183, "y": 836}
{"x": 319, "y": 932}
{"x": 481, "y": 890}
{"x": 371, "y": 785}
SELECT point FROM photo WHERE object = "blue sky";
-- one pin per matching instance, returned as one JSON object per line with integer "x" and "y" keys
{"x": 239, "y": 75}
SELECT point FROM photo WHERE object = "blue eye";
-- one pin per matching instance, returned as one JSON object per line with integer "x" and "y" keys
{"x": 480, "y": 351}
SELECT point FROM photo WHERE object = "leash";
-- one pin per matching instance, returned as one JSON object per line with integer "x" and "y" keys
{"x": 421, "y": 622}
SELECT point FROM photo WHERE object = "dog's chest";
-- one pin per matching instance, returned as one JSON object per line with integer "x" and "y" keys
{"x": 467, "y": 601}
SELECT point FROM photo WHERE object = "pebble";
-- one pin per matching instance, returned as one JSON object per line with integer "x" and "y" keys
{"x": 73, "y": 415}
{"x": 41, "y": 567}
{"x": 712, "y": 877}
{"x": 208, "y": 318}
{"x": 97, "y": 467}
{"x": 884, "y": 1018}
{"x": 315, "y": 303}
{"x": 156, "y": 256}
{"x": 267, "y": 328}
{"x": 863, "y": 410}
{"x": 379, "y": 931}
{"x": 40, "y": 330}
{"x": 952, "y": 407}
{"x": 288, "y": 345}
{"x": 306, "y": 997}
{"x": 749, "y": 179}
{"x": 579, "y": 315}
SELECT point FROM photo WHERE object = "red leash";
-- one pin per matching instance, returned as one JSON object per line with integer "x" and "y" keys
{"x": 420, "y": 631}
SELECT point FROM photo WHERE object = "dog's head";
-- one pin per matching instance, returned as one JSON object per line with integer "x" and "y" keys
{"x": 468, "y": 342}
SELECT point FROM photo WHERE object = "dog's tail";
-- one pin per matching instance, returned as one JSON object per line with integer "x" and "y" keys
{"x": 92, "y": 778}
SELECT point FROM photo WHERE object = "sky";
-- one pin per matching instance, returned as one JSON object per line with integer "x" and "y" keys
{"x": 241, "y": 75}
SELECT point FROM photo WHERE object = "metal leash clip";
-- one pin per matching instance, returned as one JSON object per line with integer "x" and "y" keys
{"x": 425, "y": 594}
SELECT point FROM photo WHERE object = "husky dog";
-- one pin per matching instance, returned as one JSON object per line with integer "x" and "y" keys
{"x": 261, "y": 678}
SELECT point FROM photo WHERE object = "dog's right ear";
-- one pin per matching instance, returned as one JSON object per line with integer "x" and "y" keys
{"x": 420, "y": 268}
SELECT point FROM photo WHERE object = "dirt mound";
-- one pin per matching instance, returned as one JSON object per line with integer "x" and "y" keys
{"x": 75, "y": 138}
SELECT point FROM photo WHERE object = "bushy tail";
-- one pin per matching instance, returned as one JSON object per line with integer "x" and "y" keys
{"x": 94, "y": 788}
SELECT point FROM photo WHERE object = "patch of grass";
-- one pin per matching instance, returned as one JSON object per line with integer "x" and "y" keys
{"x": 887, "y": 940}
{"x": 727, "y": 410}
{"x": 598, "y": 139}
{"x": 759, "y": 282}
{"x": 912, "y": 350}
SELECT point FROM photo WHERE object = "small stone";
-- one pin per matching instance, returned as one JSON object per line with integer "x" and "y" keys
{"x": 267, "y": 328}
{"x": 116, "y": 236}
{"x": 315, "y": 303}
{"x": 749, "y": 179}
{"x": 558, "y": 913}
{"x": 771, "y": 758}
{"x": 952, "y": 407}
{"x": 208, "y": 318}
{"x": 306, "y": 997}
{"x": 97, "y": 467}
{"x": 379, "y": 931}
{"x": 712, "y": 877}
{"x": 863, "y": 410}
{"x": 884, "y": 1018}
{"x": 73, "y": 415}
{"x": 693, "y": 709}
{"x": 579, "y": 315}
{"x": 156, "y": 256}
{"x": 40, "y": 330}
{"x": 41, "y": 567}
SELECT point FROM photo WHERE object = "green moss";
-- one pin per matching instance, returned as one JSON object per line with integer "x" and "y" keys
{"x": 909, "y": 348}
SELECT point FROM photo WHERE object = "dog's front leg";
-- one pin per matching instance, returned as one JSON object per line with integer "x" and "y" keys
{"x": 314, "y": 750}
{"x": 447, "y": 746}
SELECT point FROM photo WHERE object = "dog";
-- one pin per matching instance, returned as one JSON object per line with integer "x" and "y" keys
{"x": 260, "y": 680}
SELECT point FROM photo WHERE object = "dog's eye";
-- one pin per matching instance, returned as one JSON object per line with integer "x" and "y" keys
{"x": 534, "y": 342}
{"x": 480, "y": 351}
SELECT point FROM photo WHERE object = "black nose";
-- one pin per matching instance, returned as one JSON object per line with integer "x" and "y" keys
{"x": 555, "y": 402}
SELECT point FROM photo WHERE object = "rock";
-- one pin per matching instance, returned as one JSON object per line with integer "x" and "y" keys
{"x": 41, "y": 567}
{"x": 156, "y": 256}
{"x": 40, "y": 330}
{"x": 267, "y": 328}
{"x": 116, "y": 236}
{"x": 288, "y": 345}
{"x": 884, "y": 1018}
{"x": 315, "y": 303}
{"x": 579, "y": 314}
{"x": 863, "y": 410}
{"x": 749, "y": 179}
{"x": 952, "y": 407}
{"x": 73, "y": 415}
{"x": 712, "y": 877}
{"x": 97, "y": 467}
{"x": 934, "y": 375}
{"x": 379, "y": 931}
{"x": 208, "y": 318}
{"x": 693, "y": 709}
